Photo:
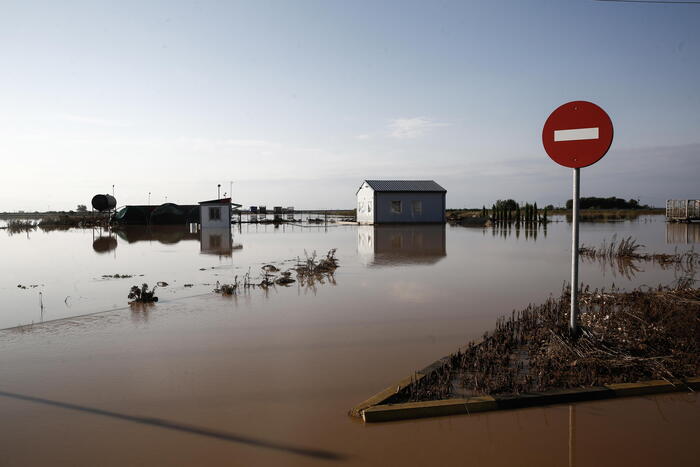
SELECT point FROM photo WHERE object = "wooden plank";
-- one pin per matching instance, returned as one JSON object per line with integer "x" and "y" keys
{"x": 439, "y": 408}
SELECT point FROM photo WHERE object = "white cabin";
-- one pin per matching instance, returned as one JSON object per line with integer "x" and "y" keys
{"x": 215, "y": 213}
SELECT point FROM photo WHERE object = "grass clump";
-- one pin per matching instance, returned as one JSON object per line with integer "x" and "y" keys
{"x": 142, "y": 294}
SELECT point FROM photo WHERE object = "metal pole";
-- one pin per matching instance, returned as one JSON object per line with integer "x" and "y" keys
{"x": 573, "y": 318}
{"x": 218, "y": 191}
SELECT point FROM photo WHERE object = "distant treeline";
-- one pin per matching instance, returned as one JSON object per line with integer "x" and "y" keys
{"x": 594, "y": 202}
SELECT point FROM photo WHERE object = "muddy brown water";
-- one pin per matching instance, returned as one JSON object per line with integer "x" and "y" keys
{"x": 267, "y": 378}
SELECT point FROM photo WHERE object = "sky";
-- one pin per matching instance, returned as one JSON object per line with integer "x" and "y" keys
{"x": 298, "y": 102}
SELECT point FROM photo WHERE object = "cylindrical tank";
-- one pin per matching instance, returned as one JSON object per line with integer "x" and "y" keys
{"x": 104, "y": 202}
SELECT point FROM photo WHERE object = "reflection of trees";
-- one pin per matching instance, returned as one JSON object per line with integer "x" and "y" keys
{"x": 529, "y": 230}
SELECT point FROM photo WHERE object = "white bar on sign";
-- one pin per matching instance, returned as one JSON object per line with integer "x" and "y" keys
{"x": 576, "y": 135}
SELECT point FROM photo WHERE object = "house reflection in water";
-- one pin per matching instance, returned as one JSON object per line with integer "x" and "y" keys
{"x": 217, "y": 241}
{"x": 396, "y": 245}
{"x": 213, "y": 241}
{"x": 682, "y": 232}
{"x": 165, "y": 234}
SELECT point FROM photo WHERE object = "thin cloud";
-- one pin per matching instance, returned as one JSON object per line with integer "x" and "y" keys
{"x": 408, "y": 128}
{"x": 90, "y": 120}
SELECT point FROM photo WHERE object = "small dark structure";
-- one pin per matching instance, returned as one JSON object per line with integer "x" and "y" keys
{"x": 103, "y": 203}
{"x": 165, "y": 214}
{"x": 172, "y": 214}
{"x": 133, "y": 215}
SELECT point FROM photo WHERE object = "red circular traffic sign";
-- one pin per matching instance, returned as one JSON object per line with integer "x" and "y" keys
{"x": 577, "y": 134}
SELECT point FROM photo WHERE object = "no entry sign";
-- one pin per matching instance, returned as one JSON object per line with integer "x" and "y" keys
{"x": 577, "y": 134}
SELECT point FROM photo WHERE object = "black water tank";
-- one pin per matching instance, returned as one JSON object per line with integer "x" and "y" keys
{"x": 104, "y": 202}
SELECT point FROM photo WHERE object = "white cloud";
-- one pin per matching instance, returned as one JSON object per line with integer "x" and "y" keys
{"x": 362, "y": 136}
{"x": 90, "y": 120}
{"x": 407, "y": 128}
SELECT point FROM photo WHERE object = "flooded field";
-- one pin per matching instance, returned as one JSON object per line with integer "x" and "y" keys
{"x": 267, "y": 376}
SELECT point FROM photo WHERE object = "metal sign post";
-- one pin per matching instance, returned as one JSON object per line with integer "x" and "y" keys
{"x": 577, "y": 134}
{"x": 573, "y": 316}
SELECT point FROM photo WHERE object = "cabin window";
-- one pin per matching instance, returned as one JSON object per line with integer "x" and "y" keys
{"x": 215, "y": 214}
{"x": 396, "y": 207}
{"x": 417, "y": 207}
{"x": 360, "y": 207}
{"x": 369, "y": 206}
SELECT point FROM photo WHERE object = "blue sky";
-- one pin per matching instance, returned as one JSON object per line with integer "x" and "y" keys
{"x": 298, "y": 101}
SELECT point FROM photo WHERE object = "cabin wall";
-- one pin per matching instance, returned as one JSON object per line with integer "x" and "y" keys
{"x": 365, "y": 204}
{"x": 208, "y": 221}
{"x": 432, "y": 207}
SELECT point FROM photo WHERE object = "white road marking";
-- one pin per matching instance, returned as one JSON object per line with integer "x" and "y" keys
{"x": 577, "y": 134}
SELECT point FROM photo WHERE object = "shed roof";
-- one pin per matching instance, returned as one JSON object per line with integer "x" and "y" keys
{"x": 217, "y": 201}
{"x": 406, "y": 185}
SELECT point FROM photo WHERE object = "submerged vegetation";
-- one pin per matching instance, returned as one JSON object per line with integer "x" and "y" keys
{"x": 142, "y": 294}
{"x": 626, "y": 253}
{"x": 16, "y": 226}
{"x": 626, "y": 337}
{"x": 308, "y": 272}
{"x": 56, "y": 222}
{"x": 67, "y": 221}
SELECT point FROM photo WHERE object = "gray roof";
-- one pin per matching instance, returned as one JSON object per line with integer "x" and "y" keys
{"x": 405, "y": 185}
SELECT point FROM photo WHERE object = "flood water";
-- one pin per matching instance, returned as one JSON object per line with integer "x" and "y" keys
{"x": 268, "y": 377}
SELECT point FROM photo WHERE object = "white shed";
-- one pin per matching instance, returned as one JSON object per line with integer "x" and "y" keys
{"x": 400, "y": 202}
{"x": 215, "y": 213}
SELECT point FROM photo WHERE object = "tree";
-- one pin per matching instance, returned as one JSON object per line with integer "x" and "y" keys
{"x": 507, "y": 204}
{"x": 594, "y": 202}
{"x": 81, "y": 208}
